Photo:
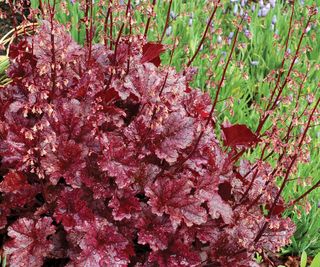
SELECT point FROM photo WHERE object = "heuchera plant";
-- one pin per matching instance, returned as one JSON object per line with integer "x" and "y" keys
{"x": 108, "y": 160}
{"x": 95, "y": 173}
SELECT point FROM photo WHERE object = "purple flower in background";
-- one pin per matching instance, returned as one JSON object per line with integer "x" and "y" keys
{"x": 261, "y": 3}
{"x": 254, "y": 63}
{"x": 212, "y": 23}
{"x": 247, "y": 33}
{"x": 173, "y": 15}
{"x": 190, "y": 22}
{"x": 264, "y": 11}
{"x": 274, "y": 19}
{"x": 235, "y": 10}
{"x": 169, "y": 31}
{"x": 259, "y": 13}
{"x": 272, "y": 3}
{"x": 308, "y": 29}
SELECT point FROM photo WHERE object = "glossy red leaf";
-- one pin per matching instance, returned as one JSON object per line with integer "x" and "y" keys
{"x": 102, "y": 245}
{"x": 173, "y": 197}
{"x": 239, "y": 135}
{"x": 30, "y": 244}
{"x": 151, "y": 53}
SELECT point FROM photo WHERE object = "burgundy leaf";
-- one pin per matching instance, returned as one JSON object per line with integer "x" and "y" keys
{"x": 177, "y": 135}
{"x": 239, "y": 135}
{"x": 71, "y": 210}
{"x": 173, "y": 197}
{"x": 154, "y": 230}
{"x": 124, "y": 204}
{"x": 225, "y": 191}
{"x": 29, "y": 245}
{"x": 278, "y": 208}
{"x": 13, "y": 182}
{"x": 178, "y": 254}
{"x": 118, "y": 160}
{"x": 218, "y": 207}
{"x": 151, "y": 53}
{"x": 102, "y": 245}
{"x": 67, "y": 161}
{"x": 18, "y": 191}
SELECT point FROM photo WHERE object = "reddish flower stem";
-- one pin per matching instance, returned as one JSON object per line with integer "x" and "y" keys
{"x": 86, "y": 14}
{"x": 287, "y": 137}
{"x": 292, "y": 203}
{"x": 264, "y": 119}
{"x": 149, "y": 19}
{"x": 290, "y": 127}
{"x": 41, "y": 8}
{"x": 294, "y": 158}
{"x": 111, "y": 28}
{"x": 180, "y": 163}
{"x": 105, "y": 28}
{"x": 90, "y": 32}
{"x": 167, "y": 22}
{"x": 253, "y": 178}
{"x": 264, "y": 227}
{"x": 204, "y": 34}
{"x": 283, "y": 60}
{"x": 130, "y": 33}
{"x": 53, "y": 52}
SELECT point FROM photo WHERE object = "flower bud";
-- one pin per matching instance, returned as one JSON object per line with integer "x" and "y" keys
{"x": 169, "y": 31}
{"x": 261, "y": 3}
{"x": 259, "y": 13}
{"x": 235, "y": 10}
{"x": 173, "y": 15}
{"x": 272, "y": 3}
{"x": 264, "y": 11}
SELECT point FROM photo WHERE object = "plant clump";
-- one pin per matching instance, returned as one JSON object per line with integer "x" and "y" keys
{"x": 109, "y": 160}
